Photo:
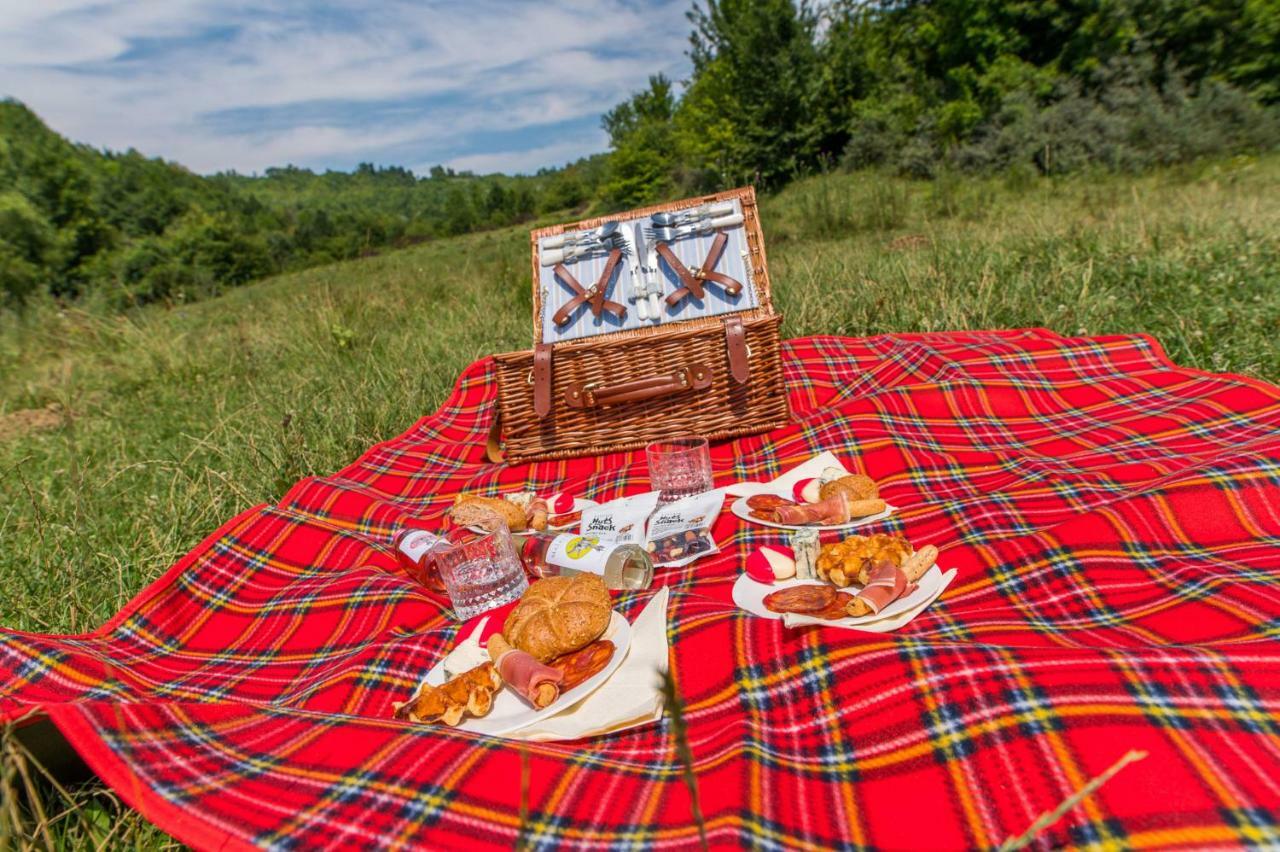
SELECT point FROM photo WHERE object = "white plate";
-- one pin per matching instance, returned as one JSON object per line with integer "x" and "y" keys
{"x": 741, "y": 509}
{"x": 881, "y": 624}
{"x": 579, "y": 504}
{"x": 511, "y": 712}
{"x": 749, "y": 595}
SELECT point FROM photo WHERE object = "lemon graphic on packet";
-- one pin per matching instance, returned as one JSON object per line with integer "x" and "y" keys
{"x": 581, "y": 547}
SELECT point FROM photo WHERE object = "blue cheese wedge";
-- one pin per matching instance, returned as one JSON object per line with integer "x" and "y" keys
{"x": 806, "y": 547}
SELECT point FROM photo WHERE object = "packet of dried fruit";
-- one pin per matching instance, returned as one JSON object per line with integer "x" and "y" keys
{"x": 680, "y": 532}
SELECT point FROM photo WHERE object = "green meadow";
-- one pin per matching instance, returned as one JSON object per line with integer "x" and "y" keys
{"x": 125, "y": 439}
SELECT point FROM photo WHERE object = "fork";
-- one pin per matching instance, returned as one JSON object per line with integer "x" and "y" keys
{"x": 692, "y": 214}
{"x": 578, "y": 251}
{"x": 667, "y": 234}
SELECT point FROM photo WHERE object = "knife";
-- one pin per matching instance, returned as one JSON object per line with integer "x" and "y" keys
{"x": 652, "y": 283}
{"x": 638, "y": 277}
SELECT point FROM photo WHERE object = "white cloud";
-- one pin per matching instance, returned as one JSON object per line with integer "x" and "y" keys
{"x": 525, "y": 161}
{"x": 218, "y": 84}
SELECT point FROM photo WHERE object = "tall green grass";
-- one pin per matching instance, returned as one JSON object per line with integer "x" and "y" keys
{"x": 170, "y": 421}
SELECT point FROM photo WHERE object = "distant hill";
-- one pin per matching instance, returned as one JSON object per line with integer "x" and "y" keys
{"x": 124, "y": 228}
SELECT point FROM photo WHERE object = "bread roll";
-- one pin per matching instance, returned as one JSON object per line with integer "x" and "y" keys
{"x": 559, "y": 615}
{"x": 858, "y": 486}
{"x": 863, "y": 508}
{"x": 472, "y": 511}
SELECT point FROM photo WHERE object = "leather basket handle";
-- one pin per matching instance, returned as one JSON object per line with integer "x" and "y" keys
{"x": 599, "y": 394}
{"x": 542, "y": 379}
{"x": 735, "y": 338}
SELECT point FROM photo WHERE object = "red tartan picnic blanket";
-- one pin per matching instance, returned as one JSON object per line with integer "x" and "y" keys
{"x": 1115, "y": 521}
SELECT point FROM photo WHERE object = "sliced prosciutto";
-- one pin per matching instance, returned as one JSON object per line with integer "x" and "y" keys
{"x": 535, "y": 682}
{"x": 829, "y": 512}
{"x": 885, "y": 584}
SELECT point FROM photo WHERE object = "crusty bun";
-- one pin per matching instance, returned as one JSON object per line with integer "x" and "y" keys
{"x": 558, "y": 615}
{"x": 471, "y": 511}
{"x": 856, "y": 485}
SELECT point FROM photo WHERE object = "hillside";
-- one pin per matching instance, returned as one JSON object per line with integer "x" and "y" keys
{"x": 117, "y": 229}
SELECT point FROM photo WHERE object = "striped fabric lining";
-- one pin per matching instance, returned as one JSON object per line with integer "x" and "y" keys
{"x": 692, "y": 251}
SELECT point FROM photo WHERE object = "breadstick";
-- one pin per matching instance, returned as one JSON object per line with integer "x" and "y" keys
{"x": 498, "y": 645}
{"x": 919, "y": 562}
{"x": 857, "y": 607}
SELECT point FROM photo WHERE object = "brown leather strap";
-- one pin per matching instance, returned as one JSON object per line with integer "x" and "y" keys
{"x": 493, "y": 447}
{"x": 691, "y": 284}
{"x": 735, "y": 337}
{"x": 597, "y": 394}
{"x": 693, "y": 281}
{"x": 594, "y": 296}
{"x": 542, "y": 379}
{"x": 598, "y": 302}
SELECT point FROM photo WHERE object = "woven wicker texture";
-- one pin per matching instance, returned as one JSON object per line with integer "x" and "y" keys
{"x": 725, "y": 409}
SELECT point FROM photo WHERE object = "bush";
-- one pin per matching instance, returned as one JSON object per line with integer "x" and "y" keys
{"x": 1127, "y": 125}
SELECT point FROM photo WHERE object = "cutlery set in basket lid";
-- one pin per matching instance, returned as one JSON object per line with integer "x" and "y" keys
{"x": 648, "y": 323}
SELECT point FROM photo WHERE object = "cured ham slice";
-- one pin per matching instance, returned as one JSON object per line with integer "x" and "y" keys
{"x": 886, "y": 584}
{"x": 829, "y": 512}
{"x": 535, "y": 682}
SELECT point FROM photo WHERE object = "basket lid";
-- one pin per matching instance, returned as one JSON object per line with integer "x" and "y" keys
{"x": 697, "y": 260}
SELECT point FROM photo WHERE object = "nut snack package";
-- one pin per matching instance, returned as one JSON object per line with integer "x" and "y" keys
{"x": 622, "y": 520}
{"x": 680, "y": 532}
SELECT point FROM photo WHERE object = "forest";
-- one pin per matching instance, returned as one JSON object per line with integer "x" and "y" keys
{"x": 777, "y": 90}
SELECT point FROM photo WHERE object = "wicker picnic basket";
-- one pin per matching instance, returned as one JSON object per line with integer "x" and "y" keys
{"x": 716, "y": 376}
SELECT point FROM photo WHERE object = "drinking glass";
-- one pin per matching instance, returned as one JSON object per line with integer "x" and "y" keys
{"x": 679, "y": 468}
{"x": 481, "y": 571}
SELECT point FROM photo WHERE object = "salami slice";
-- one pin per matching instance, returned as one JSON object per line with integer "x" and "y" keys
{"x": 767, "y": 502}
{"x": 806, "y": 599}
{"x": 836, "y": 609}
{"x": 565, "y": 520}
{"x": 583, "y": 664}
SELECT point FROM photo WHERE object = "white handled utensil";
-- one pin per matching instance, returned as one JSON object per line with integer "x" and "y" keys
{"x": 637, "y": 271}
{"x": 668, "y": 234}
{"x": 692, "y": 214}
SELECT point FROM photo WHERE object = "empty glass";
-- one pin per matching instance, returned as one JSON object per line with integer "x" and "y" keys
{"x": 481, "y": 571}
{"x": 679, "y": 468}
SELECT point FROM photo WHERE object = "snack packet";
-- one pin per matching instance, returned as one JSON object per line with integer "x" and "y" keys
{"x": 680, "y": 532}
{"x": 622, "y": 520}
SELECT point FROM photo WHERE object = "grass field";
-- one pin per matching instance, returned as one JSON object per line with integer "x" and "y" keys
{"x": 125, "y": 440}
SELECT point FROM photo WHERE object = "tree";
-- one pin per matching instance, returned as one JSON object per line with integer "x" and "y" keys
{"x": 642, "y": 134}
{"x": 748, "y": 112}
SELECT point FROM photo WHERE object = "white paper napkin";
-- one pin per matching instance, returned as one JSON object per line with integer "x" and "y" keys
{"x": 783, "y": 485}
{"x": 875, "y": 625}
{"x": 632, "y": 696}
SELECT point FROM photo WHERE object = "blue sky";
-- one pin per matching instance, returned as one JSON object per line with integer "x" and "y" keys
{"x": 493, "y": 85}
